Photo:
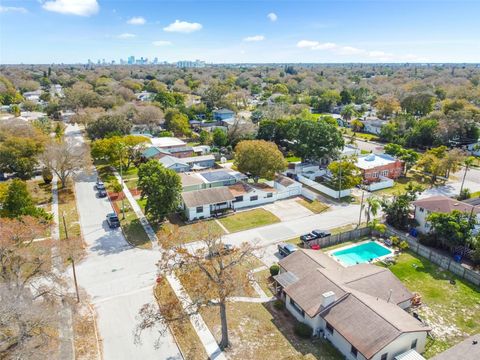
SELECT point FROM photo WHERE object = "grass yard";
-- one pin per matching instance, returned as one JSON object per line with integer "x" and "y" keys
{"x": 41, "y": 193}
{"x": 453, "y": 311}
{"x": 264, "y": 280}
{"x": 361, "y": 136}
{"x": 314, "y": 206}
{"x": 293, "y": 159}
{"x": 189, "y": 232}
{"x": 402, "y": 182}
{"x": 258, "y": 331}
{"x": 132, "y": 228}
{"x": 183, "y": 331}
{"x": 67, "y": 206}
{"x": 250, "y": 219}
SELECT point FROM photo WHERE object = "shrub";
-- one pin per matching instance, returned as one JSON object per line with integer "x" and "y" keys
{"x": 395, "y": 240}
{"x": 47, "y": 175}
{"x": 274, "y": 269}
{"x": 165, "y": 134}
{"x": 427, "y": 240}
{"x": 403, "y": 245}
{"x": 116, "y": 186}
{"x": 279, "y": 305}
{"x": 303, "y": 330}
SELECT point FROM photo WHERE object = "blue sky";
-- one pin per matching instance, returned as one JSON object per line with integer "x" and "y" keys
{"x": 73, "y": 31}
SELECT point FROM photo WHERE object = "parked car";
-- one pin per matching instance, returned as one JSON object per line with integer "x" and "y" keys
{"x": 286, "y": 249}
{"x": 112, "y": 220}
{"x": 99, "y": 185}
{"x": 315, "y": 234}
{"x": 321, "y": 233}
{"x": 101, "y": 193}
{"x": 227, "y": 248}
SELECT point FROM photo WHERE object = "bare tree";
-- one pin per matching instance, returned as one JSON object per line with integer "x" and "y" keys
{"x": 151, "y": 116}
{"x": 64, "y": 158}
{"x": 213, "y": 274}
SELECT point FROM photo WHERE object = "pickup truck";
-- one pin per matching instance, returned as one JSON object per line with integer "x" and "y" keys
{"x": 286, "y": 249}
{"x": 315, "y": 234}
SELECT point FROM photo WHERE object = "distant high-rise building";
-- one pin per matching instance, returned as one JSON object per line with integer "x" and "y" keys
{"x": 191, "y": 64}
{"x": 131, "y": 60}
{"x": 155, "y": 61}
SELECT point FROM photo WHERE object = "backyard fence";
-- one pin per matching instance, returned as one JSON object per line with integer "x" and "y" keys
{"x": 324, "y": 189}
{"x": 445, "y": 262}
{"x": 340, "y": 238}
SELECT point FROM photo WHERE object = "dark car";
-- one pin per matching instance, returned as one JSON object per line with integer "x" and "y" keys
{"x": 321, "y": 233}
{"x": 102, "y": 193}
{"x": 112, "y": 220}
{"x": 308, "y": 237}
{"x": 286, "y": 249}
{"x": 99, "y": 185}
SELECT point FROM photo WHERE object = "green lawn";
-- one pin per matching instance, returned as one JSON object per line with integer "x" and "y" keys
{"x": 293, "y": 159}
{"x": 314, "y": 206}
{"x": 191, "y": 232}
{"x": 248, "y": 219}
{"x": 132, "y": 228}
{"x": 362, "y": 136}
{"x": 452, "y": 310}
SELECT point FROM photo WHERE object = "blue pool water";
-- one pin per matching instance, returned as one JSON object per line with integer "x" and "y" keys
{"x": 361, "y": 253}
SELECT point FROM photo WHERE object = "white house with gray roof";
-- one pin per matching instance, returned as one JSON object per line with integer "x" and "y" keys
{"x": 359, "y": 309}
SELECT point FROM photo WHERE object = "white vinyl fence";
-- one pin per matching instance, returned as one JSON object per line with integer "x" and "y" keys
{"x": 324, "y": 189}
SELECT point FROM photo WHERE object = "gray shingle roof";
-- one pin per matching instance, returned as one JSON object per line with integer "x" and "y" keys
{"x": 207, "y": 197}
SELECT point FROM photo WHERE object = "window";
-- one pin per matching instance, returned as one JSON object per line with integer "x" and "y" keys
{"x": 384, "y": 172}
{"x": 199, "y": 209}
{"x": 354, "y": 351}
{"x": 375, "y": 174}
{"x": 254, "y": 198}
{"x": 297, "y": 308}
{"x": 384, "y": 356}
{"x": 414, "y": 344}
{"x": 421, "y": 209}
{"x": 329, "y": 328}
{"x": 238, "y": 198}
{"x": 269, "y": 195}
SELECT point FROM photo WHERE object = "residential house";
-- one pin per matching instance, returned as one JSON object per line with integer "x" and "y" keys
{"x": 210, "y": 178}
{"x": 201, "y": 149}
{"x": 144, "y": 96}
{"x": 223, "y": 114}
{"x": 474, "y": 148}
{"x": 33, "y": 96}
{"x": 162, "y": 146}
{"x": 359, "y": 309}
{"x": 188, "y": 163}
{"x": 200, "y": 204}
{"x": 373, "y": 125}
{"x": 375, "y": 167}
{"x": 440, "y": 204}
{"x": 248, "y": 194}
{"x": 287, "y": 187}
{"x": 167, "y": 142}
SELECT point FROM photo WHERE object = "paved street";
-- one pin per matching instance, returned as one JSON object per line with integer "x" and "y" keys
{"x": 118, "y": 279}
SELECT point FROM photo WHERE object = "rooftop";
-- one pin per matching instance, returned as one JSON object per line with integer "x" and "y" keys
{"x": 372, "y": 161}
{"x": 167, "y": 142}
{"x": 444, "y": 204}
{"x": 468, "y": 349}
{"x": 207, "y": 197}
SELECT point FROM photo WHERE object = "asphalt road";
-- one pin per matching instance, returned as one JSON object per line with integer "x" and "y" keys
{"x": 118, "y": 278}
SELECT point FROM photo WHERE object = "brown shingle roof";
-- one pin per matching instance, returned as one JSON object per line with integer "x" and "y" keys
{"x": 284, "y": 181}
{"x": 207, "y": 196}
{"x": 443, "y": 204}
{"x": 369, "y": 323}
{"x": 190, "y": 179}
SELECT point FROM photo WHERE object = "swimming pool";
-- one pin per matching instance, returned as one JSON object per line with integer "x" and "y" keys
{"x": 361, "y": 253}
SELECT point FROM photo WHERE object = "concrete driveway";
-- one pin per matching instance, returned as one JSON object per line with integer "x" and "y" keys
{"x": 288, "y": 209}
{"x": 119, "y": 280}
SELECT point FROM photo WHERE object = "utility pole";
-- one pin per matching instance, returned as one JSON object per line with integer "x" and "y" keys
{"x": 361, "y": 208}
{"x": 71, "y": 259}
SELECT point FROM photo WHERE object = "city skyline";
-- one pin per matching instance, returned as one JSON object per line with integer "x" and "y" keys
{"x": 389, "y": 31}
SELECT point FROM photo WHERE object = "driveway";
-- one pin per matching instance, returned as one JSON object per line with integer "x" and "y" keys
{"x": 118, "y": 278}
{"x": 288, "y": 209}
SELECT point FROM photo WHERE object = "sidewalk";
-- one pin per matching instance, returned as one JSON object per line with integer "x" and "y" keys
{"x": 65, "y": 327}
{"x": 206, "y": 337}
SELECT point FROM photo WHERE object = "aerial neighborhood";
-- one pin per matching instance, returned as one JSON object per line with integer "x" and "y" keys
{"x": 245, "y": 207}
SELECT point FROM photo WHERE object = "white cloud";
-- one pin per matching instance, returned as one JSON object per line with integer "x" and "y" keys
{"x": 136, "y": 20}
{"x": 350, "y": 50}
{"x": 315, "y": 45}
{"x": 73, "y": 7}
{"x": 4, "y": 9}
{"x": 126, "y": 36}
{"x": 183, "y": 27}
{"x": 272, "y": 16}
{"x": 254, "y": 38}
{"x": 162, "y": 43}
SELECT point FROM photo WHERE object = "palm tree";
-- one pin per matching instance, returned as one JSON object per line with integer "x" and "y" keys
{"x": 468, "y": 162}
{"x": 349, "y": 112}
{"x": 373, "y": 205}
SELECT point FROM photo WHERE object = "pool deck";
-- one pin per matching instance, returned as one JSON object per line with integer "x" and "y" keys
{"x": 330, "y": 253}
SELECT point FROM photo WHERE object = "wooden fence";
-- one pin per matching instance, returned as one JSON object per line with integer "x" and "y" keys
{"x": 445, "y": 262}
{"x": 340, "y": 238}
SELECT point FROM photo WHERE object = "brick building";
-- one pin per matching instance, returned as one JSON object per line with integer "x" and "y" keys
{"x": 376, "y": 166}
